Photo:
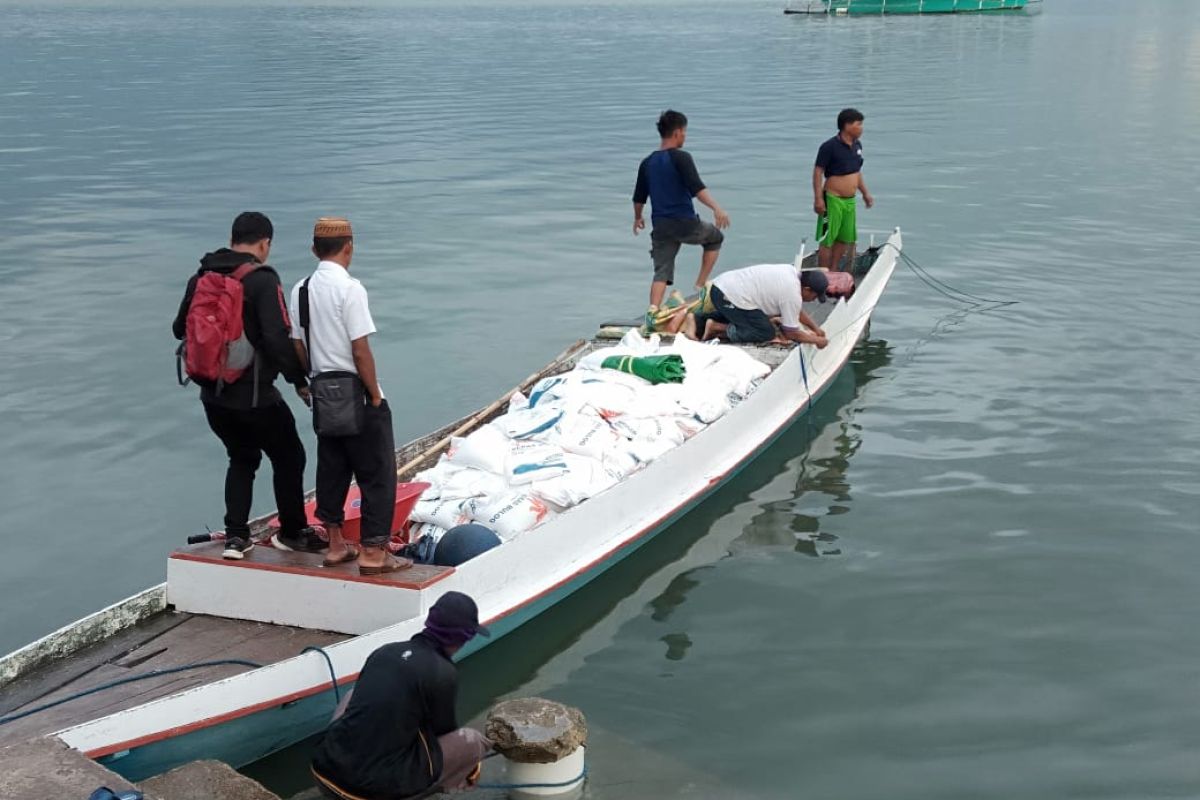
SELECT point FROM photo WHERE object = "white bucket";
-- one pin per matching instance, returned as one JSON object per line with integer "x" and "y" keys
{"x": 558, "y": 772}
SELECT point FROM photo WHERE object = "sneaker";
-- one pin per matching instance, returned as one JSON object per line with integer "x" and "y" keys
{"x": 305, "y": 540}
{"x": 236, "y": 549}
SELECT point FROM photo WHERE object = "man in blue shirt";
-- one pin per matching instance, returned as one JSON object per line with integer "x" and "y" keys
{"x": 668, "y": 179}
{"x": 837, "y": 179}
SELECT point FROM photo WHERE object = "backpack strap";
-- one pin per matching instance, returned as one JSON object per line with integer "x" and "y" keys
{"x": 305, "y": 318}
{"x": 244, "y": 269}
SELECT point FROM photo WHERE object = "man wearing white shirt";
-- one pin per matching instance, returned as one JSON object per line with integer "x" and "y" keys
{"x": 336, "y": 340}
{"x": 745, "y": 301}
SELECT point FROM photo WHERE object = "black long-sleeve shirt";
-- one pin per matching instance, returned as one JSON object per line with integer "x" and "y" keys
{"x": 264, "y": 314}
{"x": 385, "y": 744}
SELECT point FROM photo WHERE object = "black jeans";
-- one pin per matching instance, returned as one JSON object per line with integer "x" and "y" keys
{"x": 247, "y": 434}
{"x": 370, "y": 457}
{"x": 745, "y": 325}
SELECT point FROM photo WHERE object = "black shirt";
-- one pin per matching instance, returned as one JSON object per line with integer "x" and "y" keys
{"x": 838, "y": 158}
{"x": 405, "y": 693}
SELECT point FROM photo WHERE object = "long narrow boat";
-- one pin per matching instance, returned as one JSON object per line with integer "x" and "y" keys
{"x": 877, "y": 7}
{"x": 277, "y": 636}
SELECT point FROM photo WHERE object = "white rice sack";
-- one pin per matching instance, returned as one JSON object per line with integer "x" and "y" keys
{"x": 473, "y": 482}
{"x": 513, "y": 513}
{"x": 442, "y": 513}
{"x": 647, "y": 450}
{"x": 549, "y": 390}
{"x": 743, "y": 369}
{"x": 594, "y": 360}
{"x": 484, "y": 449}
{"x": 650, "y": 428}
{"x": 586, "y": 434}
{"x": 633, "y": 340}
{"x": 688, "y": 425}
{"x": 517, "y": 402}
{"x": 436, "y": 476}
{"x": 697, "y": 356}
{"x": 527, "y": 423}
{"x": 531, "y": 461}
{"x": 584, "y": 478}
{"x": 620, "y": 463}
{"x": 609, "y": 398}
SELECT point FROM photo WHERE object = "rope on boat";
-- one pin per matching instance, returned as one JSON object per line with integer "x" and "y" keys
{"x": 337, "y": 693}
{"x": 227, "y": 662}
{"x": 957, "y": 295}
{"x": 235, "y": 662}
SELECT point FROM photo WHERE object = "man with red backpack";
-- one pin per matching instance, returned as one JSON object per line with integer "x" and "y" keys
{"x": 236, "y": 338}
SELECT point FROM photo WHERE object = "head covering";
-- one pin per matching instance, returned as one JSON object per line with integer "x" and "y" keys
{"x": 332, "y": 228}
{"x": 815, "y": 279}
{"x": 454, "y": 620}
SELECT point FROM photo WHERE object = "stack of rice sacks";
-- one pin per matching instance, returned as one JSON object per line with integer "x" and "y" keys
{"x": 578, "y": 434}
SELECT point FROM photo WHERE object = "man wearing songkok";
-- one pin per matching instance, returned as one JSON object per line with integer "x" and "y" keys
{"x": 397, "y": 735}
{"x": 331, "y": 324}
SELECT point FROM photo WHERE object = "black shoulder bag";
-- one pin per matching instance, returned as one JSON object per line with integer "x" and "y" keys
{"x": 339, "y": 399}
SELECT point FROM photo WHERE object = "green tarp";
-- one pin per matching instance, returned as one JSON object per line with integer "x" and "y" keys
{"x": 656, "y": 369}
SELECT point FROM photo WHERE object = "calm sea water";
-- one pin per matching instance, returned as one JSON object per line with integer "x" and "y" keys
{"x": 971, "y": 574}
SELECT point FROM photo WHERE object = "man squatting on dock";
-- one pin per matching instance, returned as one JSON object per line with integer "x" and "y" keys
{"x": 396, "y": 735}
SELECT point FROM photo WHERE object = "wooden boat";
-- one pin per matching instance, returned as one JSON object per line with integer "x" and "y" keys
{"x": 876, "y": 7}
{"x": 277, "y": 636}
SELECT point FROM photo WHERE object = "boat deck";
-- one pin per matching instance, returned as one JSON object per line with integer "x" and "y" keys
{"x": 166, "y": 640}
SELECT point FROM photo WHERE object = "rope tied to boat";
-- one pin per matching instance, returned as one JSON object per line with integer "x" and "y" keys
{"x": 157, "y": 673}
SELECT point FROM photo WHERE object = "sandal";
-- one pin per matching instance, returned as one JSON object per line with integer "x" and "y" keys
{"x": 351, "y": 555}
{"x": 391, "y": 565}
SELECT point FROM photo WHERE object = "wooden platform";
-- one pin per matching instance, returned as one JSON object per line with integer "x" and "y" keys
{"x": 167, "y": 640}
{"x": 287, "y": 588}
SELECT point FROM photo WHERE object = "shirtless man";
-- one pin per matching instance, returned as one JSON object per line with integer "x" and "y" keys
{"x": 837, "y": 178}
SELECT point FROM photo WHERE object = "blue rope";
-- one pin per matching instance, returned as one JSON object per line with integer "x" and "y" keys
{"x": 559, "y": 785}
{"x": 337, "y": 693}
{"x": 121, "y": 682}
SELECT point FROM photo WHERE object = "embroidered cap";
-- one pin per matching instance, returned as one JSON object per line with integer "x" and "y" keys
{"x": 332, "y": 228}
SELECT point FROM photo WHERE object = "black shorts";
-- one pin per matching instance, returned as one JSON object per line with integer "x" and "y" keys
{"x": 669, "y": 234}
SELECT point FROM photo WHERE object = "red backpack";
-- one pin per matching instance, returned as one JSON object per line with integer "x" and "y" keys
{"x": 215, "y": 350}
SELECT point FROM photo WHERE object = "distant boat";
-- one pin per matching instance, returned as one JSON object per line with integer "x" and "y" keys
{"x": 841, "y": 8}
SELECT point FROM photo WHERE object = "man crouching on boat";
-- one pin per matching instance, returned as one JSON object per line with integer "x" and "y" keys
{"x": 743, "y": 301}
{"x": 396, "y": 736}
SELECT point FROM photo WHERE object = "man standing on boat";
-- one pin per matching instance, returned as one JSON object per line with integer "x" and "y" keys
{"x": 837, "y": 179}
{"x": 248, "y": 414}
{"x": 668, "y": 179}
{"x": 331, "y": 323}
{"x": 745, "y": 300}
{"x": 397, "y": 734}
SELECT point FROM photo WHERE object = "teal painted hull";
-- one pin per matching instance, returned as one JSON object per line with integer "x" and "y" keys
{"x": 877, "y": 7}
{"x": 255, "y": 736}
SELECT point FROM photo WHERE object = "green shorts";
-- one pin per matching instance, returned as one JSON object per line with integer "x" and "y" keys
{"x": 838, "y": 224}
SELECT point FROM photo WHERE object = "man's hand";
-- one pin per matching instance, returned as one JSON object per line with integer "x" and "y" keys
{"x": 819, "y": 331}
{"x": 821, "y": 342}
{"x": 304, "y": 394}
{"x": 376, "y": 401}
{"x": 868, "y": 199}
{"x": 720, "y": 218}
{"x": 819, "y": 206}
{"x": 638, "y": 225}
